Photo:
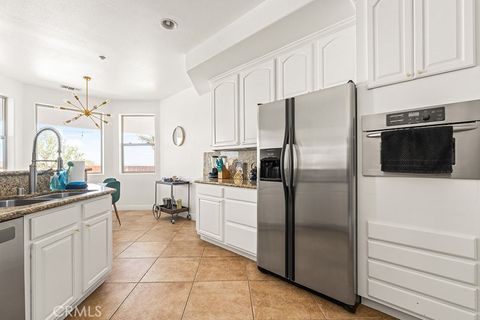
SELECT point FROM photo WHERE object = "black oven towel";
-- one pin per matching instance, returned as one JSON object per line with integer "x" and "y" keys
{"x": 418, "y": 150}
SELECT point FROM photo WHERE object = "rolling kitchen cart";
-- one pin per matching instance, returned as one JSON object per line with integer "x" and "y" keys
{"x": 157, "y": 209}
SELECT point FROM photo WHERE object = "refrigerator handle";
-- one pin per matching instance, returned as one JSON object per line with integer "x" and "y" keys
{"x": 285, "y": 152}
{"x": 294, "y": 164}
{"x": 286, "y": 165}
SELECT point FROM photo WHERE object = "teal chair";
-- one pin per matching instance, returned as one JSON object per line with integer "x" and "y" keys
{"x": 114, "y": 184}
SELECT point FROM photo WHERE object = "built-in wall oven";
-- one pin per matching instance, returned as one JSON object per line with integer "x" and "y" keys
{"x": 439, "y": 141}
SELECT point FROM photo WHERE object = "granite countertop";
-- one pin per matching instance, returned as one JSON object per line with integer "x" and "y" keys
{"x": 23, "y": 172}
{"x": 93, "y": 191}
{"x": 228, "y": 183}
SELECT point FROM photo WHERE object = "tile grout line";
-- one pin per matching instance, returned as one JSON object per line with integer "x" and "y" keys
{"x": 136, "y": 284}
{"x": 251, "y": 299}
{"x": 121, "y": 304}
{"x": 191, "y": 288}
{"x": 132, "y": 242}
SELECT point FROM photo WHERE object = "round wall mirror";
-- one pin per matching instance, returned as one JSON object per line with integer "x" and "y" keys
{"x": 178, "y": 136}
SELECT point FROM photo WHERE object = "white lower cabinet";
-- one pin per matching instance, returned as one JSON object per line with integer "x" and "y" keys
{"x": 210, "y": 220}
{"x": 97, "y": 249}
{"x": 55, "y": 272}
{"x": 70, "y": 255}
{"x": 241, "y": 225}
{"x": 228, "y": 216}
{"x": 241, "y": 237}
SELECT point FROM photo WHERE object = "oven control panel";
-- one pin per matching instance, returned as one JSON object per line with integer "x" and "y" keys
{"x": 417, "y": 116}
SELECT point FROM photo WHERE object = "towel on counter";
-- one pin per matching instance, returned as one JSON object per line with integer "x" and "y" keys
{"x": 418, "y": 150}
{"x": 77, "y": 185}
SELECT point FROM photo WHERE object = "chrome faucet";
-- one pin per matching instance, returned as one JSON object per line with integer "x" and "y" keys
{"x": 33, "y": 165}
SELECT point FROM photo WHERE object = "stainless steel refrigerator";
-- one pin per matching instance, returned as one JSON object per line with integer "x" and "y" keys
{"x": 307, "y": 191}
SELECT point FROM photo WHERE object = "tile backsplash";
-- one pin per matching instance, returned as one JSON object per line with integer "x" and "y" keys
{"x": 11, "y": 180}
{"x": 247, "y": 157}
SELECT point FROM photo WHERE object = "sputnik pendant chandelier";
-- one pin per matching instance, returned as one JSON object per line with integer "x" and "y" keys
{"x": 84, "y": 110}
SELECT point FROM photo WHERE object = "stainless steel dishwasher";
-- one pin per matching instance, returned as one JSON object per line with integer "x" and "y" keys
{"x": 12, "y": 286}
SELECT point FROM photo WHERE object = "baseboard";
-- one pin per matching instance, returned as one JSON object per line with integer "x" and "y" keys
{"x": 386, "y": 309}
{"x": 133, "y": 207}
{"x": 127, "y": 207}
{"x": 192, "y": 214}
{"x": 229, "y": 248}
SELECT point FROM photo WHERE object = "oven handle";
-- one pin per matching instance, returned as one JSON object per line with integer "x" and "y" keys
{"x": 456, "y": 128}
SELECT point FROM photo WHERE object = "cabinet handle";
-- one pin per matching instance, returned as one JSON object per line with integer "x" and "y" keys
{"x": 88, "y": 226}
{"x": 77, "y": 230}
{"x": 409, "y": 75}
{"x": 420, "y": 71}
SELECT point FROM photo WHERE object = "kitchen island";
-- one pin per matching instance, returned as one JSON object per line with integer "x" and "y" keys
{"x": 67, "y": 246}
{"x": 49, "y": 200}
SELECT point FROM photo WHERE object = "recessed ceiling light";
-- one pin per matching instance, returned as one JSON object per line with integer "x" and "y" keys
{"x": 102, "y": 57}
{"x": 169, "y": 24}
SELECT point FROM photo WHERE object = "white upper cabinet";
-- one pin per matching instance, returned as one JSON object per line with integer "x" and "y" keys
{"x": 444, "y": 35}
{"x": 225, "y": 112}
{"x": 408, "y": 39}
{"x": 295, "y": 72}
{"x": 257, "y": 85}
{"x": 390, "y": 41}
{"x": 322, "y": 61}
{"x": 336, "y": 59}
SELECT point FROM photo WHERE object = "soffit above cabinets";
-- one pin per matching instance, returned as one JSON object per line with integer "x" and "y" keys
{"x": 205, "y": 63}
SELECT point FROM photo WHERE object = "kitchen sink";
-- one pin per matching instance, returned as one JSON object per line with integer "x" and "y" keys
{"x": 60, "y": 195}
{"x": 19, "y": 202}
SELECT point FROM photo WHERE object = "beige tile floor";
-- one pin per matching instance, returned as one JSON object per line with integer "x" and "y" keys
{"x": 164, "y": 271}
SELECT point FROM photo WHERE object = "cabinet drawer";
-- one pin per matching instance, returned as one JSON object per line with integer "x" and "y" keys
{"x": 53, "y": 221}
{"x": 241, "y": 194}
{"x": 209, "y": 190}
{"x": 241, "y": 212}
{"x": 241, "y": 237}
{"x": 97, "y": 207}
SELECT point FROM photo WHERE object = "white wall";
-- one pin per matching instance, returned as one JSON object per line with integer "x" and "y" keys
{"x": 137, "y": 189}
{"x": 13, "y": 90}
{"x": 192, "y": 112}
{"x": 437, "y": 204}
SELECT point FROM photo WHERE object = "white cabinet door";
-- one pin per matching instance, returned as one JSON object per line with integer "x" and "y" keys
{"x": 97, "y": 249}
{"x": 241, "y": 237}
{"x": 210, "y": 217}
{"x": 295, "y": 72}
{"x": 241, "y": 225}
{"x": 390, "y": 41}
{"x": 444, "y": 35}
{"x": 225, "y": 112}
{"x": 336, "y": 59}
{"x": 55, "y": 273}
{"x": 257, "y": 85}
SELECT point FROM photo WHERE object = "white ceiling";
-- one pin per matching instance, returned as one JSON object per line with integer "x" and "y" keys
{"x": 53, "y": 42}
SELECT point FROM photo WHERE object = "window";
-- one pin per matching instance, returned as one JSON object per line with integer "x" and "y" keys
{"x": 82, "y": 140}
{"x": 3, "y": 133}
{"x": 138, "y": 143}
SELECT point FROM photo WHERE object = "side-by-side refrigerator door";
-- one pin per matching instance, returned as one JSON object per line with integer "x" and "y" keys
{"x": 270, "y": 187}
{"x": 324, "y": 192}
